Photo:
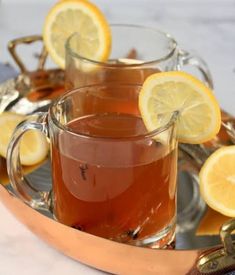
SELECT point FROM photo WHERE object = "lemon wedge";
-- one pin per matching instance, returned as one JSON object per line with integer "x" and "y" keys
{"x": 77, "y": 16}
{"x": 163, "y": 93}
{"x": 33, "y": 147}
{"x": 217, "y": 181}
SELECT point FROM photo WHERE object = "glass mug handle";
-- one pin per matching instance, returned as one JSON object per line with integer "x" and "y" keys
{"x": 187, "y": 59}
{"x": 22, "y": 187}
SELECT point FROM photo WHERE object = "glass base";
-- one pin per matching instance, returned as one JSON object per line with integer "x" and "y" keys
{"x": 190, "y": 205}
{"x": 163, "y": 239}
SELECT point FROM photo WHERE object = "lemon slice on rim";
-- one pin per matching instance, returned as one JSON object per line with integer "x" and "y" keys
{"x": 164, "y": 93}
{"x": 33, "y": 147}
{"x": 77, "y": 16}
{"x": 217, "y": 181}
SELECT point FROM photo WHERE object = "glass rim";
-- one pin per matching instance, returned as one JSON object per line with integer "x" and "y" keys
{"x": 107, "y": 64}
{"x": 147, "y": 135}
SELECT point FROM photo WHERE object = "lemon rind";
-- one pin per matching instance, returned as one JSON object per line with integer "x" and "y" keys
{"x": 90, "y": 9}
{"x": 203, "y": 180}
{"x": 161, "y": 78}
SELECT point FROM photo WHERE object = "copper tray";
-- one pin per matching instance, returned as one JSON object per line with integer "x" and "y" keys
{"x": 193, "y": 254}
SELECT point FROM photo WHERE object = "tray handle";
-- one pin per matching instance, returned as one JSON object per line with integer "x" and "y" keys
{"x": 221, "y": 260}
{"x": 13, "y": 44}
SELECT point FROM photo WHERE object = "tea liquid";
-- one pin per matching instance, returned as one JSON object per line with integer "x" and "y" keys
{"x": 77, "y": 77}
{"x": 121, "y": 190}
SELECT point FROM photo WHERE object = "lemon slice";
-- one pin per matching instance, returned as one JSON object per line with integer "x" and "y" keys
{"x": 217, "y": 181}
{"x": 84, "y": 18}
{"x": 33, "y": 147}
{"x": 162, "y": 94}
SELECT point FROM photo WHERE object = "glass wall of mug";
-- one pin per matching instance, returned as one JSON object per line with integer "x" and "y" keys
{"x": 111, "y": 177}
{"x": 137, "y": 52}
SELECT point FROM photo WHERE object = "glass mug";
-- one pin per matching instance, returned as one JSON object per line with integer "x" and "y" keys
{"x": 137, "y": 52}
{"x": 111, "y": 177}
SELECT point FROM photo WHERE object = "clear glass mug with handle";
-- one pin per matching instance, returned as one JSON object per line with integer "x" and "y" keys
{"x": 136, "y": 53}
{"x": 110, "y": 176}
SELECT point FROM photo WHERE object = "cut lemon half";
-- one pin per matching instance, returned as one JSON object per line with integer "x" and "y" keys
{"x": 81, "y": 17}
{"x": 217, "y": 181}
{"x": 33, "y": 147}
{"x": 164, "y": 93}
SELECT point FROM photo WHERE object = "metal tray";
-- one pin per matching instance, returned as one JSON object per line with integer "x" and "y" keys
{"x": 31, "y": 91}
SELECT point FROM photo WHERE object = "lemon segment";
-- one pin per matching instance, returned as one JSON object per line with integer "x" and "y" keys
{"x": 164, "y": 93}
{"x": 81, "y": 17}
{"x": 217, "y": 181}
{"x": 33, "y": 147}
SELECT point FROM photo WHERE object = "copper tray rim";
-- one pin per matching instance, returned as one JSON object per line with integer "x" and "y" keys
{"x": 100, "y": 253}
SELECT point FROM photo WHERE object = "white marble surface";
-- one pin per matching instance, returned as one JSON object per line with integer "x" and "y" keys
{"x": 205, "y": 26}
{"x": 23, "y": 253}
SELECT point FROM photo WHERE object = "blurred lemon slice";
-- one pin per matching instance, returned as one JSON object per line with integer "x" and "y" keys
{"x": 130, "y": 61}
{"x": 33, "y": 147}
{"x": 217, "y": 181}
{"x": 162, "y": 94}
{"x": 81, "y": 17}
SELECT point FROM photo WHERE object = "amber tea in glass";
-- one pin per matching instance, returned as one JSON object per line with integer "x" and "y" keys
{"x": 111, "y": 177}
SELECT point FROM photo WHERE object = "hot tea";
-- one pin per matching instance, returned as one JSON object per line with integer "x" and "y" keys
{"x": 111, "y": 177}
{"x": 124, "y": 196}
